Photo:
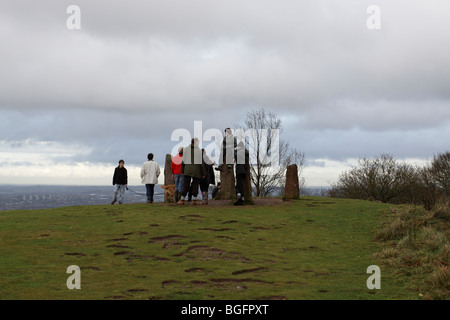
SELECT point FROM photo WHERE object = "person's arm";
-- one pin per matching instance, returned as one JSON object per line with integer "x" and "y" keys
{"x": 158, "y": 171}
{"x": 114, "y": 177}
{"x": 126, "y": 177}
{"x": 143, "y": 171}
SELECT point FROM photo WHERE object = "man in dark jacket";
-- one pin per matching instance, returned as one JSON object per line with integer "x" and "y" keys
{"x": 120, "y": 181}
{"x": 193, "y": 169}
{"x": 242, "y": 158}
{"x": 208, "y": 179}
{"x": 229, "y": 145}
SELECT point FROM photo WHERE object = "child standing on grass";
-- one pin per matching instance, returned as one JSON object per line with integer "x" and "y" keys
{"x": 120, "y": 181}
{"x": 175, "y": 168}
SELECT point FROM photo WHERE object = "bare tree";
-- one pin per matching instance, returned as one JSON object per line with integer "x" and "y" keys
{"x": 440, "y": 171}
{"x": 263, "y": 130}
{"x": 383, "y": 179}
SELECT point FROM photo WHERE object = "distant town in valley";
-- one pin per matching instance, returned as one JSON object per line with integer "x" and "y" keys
{"x": 18, "y": 197}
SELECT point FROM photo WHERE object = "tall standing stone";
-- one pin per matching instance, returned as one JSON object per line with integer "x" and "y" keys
{"x": 292, "y": 188}
{"x": 167, "y": 172}
{"x": 168, "y": 178}
{"x": 227, "y": 184}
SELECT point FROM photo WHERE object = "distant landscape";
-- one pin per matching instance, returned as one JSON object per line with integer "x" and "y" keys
{"x": 19, "y": 197}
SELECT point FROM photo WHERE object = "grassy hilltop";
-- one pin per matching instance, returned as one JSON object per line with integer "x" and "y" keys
{"x": 315, "y": 248}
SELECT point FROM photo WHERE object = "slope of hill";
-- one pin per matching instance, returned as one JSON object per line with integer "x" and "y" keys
{"x": 315, "y": 248}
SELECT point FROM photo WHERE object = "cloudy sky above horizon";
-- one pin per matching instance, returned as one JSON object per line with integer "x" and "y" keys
{"x": 74, "y": 102}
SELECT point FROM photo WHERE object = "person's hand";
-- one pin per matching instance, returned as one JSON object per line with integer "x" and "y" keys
{"x": 173, "y": 177}
{"x": 203, "y": 177}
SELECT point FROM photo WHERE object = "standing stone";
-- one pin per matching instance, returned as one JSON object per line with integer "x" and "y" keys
{"x": 292, "y": 188}
{"x": 227, "y": 184}
{"x": 168, "y": 181}
{"x": 167, "y": 172}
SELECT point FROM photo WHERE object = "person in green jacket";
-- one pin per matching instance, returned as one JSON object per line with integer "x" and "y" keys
{"x": 192, "y": 168}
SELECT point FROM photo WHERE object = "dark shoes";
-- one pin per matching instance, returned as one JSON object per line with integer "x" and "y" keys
{"x": 114, "y": 201}
{"x": 239, "y": 202}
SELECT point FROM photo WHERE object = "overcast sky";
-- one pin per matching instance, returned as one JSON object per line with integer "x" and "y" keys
{"x": 74, "y": 102}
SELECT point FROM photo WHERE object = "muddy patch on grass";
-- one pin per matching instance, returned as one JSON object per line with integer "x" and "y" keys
{"x": 139, "y": 233}
{"x": 145, "y": 257}
{"x": 91, "y": 268}
{"x": 248, "y": 270}
{"x": 204, "y": 252}
{"x": 215, "y": 230}
{"x": 118, "y": 239}
{"x": 169, "y": 241}
{"x": 231, "y": 221}
{"x": 75, "y": 254}
{"x": 191, "y": 216}
{"x": 225, "y": 237}
{"x": 166, "y": 238}
{"x": 199, "y": 283}
{"x": 115, "y": 297}
{"x": 137, "y": 290}
{"x": 44, "y": 235}
{"x": 233, "y": 280}
{"x": 120, "y": 253}
{"x": 272, "y": 298}
{"x": 265, "y": 228}
{"x": 194, "y": 270}
{"x": 154, "y": 225}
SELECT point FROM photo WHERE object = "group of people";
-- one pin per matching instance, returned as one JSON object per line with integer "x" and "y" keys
{"x": 191, "y": 169}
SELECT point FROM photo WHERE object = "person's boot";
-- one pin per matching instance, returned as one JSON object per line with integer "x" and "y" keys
{"x": 204, "y": 198}
{"x": 239, "y": 202}
{"x": 112, "y": 203}
{"x": 181, "y": 201}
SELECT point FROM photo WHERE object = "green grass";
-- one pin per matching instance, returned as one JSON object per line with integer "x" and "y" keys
{"x": 315, "y": 248}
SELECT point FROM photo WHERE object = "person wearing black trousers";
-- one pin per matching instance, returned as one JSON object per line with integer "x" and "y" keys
{"x": 242, "y": 158}
{"x": 120, "y": 181}
{"x": 208, "y": 179}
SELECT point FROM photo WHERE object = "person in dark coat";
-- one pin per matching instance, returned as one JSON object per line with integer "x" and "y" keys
{"x": 242, "y": 158}
{"x": 193, "y": 169}
{"x": 229, "y": 145}
{"x": 208, "y": 179}
{"x": 120, "y": 182}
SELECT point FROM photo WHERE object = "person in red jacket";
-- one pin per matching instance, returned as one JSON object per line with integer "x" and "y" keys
{"x": 177, "y": 176}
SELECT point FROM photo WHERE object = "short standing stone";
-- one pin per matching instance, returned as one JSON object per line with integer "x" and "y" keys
{"x": 167, "y": 172}
{"x": 291, "y": 189}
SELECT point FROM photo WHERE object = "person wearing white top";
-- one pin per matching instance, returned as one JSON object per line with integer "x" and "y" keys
{"x": 149, "y": 174}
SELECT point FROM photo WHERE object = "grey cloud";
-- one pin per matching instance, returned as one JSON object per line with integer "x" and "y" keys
{"x": 139, "y": 69}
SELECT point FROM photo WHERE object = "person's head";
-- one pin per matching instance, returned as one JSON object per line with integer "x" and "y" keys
{"x": 218, "y": 184}
{"x": 228, "y": 131}
{"x": 150, "y": 156}
{"x": 180, "y": 150}
{"x": 195, "y": 142}
{"x": 121, "y": 163}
